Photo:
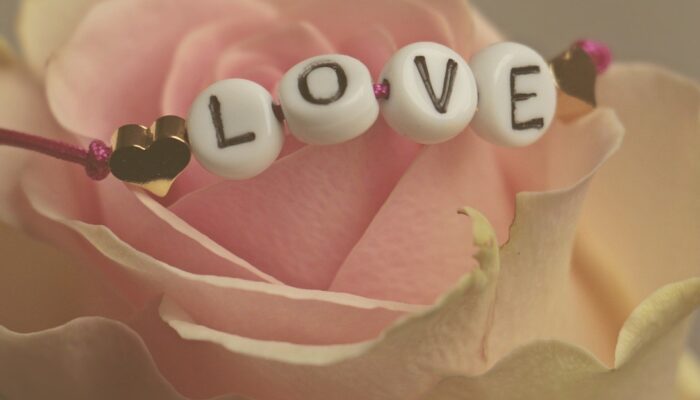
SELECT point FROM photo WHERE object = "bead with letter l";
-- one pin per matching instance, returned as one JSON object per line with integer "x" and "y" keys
{"x": 233, "y": 130}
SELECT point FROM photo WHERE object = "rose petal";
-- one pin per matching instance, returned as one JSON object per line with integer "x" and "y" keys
{"x": 144, "y": 223}
{"x": 460, "y": 17}
{"x": 617, "y": 264}
{"x": 689, "y": 377}
{"x": 43, "y": 26}
{"x": 22, "y": 108}
{"x": 314, "y": 191}
{"x": 402, "y": 362}
{"x": 282, "y": 312}
{"x": 41, "y": 287}
{"x": 278, "y": 49}
{"x": 399, "y": 283}
{"x": 414, "y": 249}
{"x": 649, "y": 349}
{"x": 651, "y": 343}
{"x": 650, "y": 190}
{"x": 538, "y": 298}
{"x": 426, "y": 23}
{"x": 374, "y": 46}
{"x": 194, "y": 63}
{"x": 411, "y": 252}
{"x": 120, "y": 71}
{"x": 89, "y": 358}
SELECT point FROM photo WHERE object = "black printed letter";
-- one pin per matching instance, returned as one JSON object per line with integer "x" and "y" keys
{"x": 306, "y": 91}
{"x": 450, "y": 75}
{"x": 515, "y": 97}
{"x": 221, "y": 139}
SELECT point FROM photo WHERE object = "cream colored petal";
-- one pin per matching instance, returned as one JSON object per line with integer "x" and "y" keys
{"x": 650, "y": 346}
{"x": 688, "y": 381}
{"x": 41, "y": 287}
{"x": 639, "y": 227}
{"x": 43, "y": 26}
{"x": 86, "y": 359}
{"x": 537, "y": 294}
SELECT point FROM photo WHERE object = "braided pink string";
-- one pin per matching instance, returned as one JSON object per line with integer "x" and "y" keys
{"x": 95, "y": 159}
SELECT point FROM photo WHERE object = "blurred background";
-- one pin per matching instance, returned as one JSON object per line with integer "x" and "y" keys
{"x": 663, "y": 32}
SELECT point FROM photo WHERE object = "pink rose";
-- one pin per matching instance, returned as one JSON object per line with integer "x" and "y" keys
{"x": 344, "y": 272}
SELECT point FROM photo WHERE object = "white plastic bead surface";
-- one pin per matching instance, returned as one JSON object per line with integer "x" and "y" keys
{"x": 433, "y": 93}
{"x": 328, "y": 99}
{"x": 233, "y": 130}
{"x": 517, "y": 94}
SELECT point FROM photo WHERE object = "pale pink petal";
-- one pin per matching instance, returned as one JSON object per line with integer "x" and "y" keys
{"x": 279, "y": 312}
{"x": 43, "y": 26}
{"x": 462, "y": 22}
{"x": 403, "y": 362}
{"x": 411, "y": 250}
{"x": 193, "y": 178}
{"x": 374, "y": 46}
{"x": 408, "y": 21}
{"x": 152, "y": 230}
{"x": 414, "y": 249}
{"x": 300, "y": 219}
{"x": 277, "y": 49}
{"x": 117, "y": 59}
{"x": 193, "y": 67}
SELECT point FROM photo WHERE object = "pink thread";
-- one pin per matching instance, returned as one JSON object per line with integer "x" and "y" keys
{"x": 599, "y": 52}
{"x": 95, "y": 159}
{"x": 382, "y": 90}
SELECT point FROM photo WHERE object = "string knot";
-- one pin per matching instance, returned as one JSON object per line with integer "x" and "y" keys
{"x": 97, "y": 161}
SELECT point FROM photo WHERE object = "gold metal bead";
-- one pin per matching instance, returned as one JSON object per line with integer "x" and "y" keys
{"x": 151, "y": 157}
{"x": 575, "y": 73}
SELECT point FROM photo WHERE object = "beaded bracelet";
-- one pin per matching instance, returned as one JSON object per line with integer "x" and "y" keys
{"x": 508, "y": 93}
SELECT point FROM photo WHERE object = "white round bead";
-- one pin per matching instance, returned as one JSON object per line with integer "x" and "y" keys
{"x": 328, "y": 99}
{"x": 433, "y": 93}
{"x": 233, "y": 130}
{"x": 517, "y": 94}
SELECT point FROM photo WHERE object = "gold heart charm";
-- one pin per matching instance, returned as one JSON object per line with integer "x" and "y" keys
{"x": 151, "y": 157}
{"x": 575, "y": 72}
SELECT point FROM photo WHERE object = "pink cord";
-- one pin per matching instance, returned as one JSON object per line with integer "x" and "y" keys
{"x": 599, "y": 52}
{"x": 95, "y": 159}
{"x": 382, "y": 90}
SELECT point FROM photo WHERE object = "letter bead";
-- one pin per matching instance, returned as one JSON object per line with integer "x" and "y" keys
{"x": 433, "y": 94}
{"x": 328, "y": 99}
{"x": 517, "y": 94}
{"x": 233, "y": 130}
